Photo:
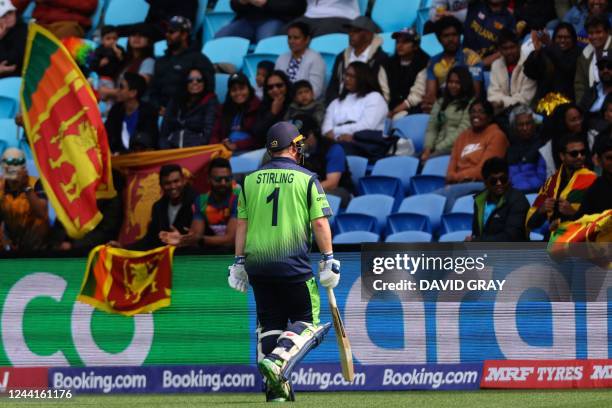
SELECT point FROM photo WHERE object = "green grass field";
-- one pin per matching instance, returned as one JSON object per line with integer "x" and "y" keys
{"x": 475, "y": 399}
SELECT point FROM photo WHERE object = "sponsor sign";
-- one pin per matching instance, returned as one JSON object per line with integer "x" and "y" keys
{"x": 34, "y": 378}
{"x": 547, "y": 374}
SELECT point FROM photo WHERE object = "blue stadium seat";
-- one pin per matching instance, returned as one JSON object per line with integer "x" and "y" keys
{"x": 436, "y": 166}
{"x": 227, "y": 50}
{"x": 329, "y": 59}
{"x": 412, "y": 127}
{"x": 8, "y": 107}
{"x": 400, "y": 222}
{"x": 257, "y": 154}
{"x": 430, "y": 205}
{"x": 363, "y": 6}
{"x": 393, "y": 15}
{"x": 200, "y": 13}
{"x": 358, "y": 166}
{"x": 26, "y": 16}
{"x": 431, "y": 45}
{"x": 456, "y": 236}
{"x": 97, "y": 17}
{"x": 334, "y": 204}
{"x": 251, "y": 61}
{"x": 424, "y": 184}
{"x": 355, "y": 237}
{"x": 531, "y": 198}
{"x": 159, "y": 48}
{"x": 388, "y": 44}
{"x": 347, "y": 222}
{"x": 464, "y": 204}
{"x": 10, "y": 87}
{"x": 376, "y": 205}
{"x": 3, "y": 146}
{"x": 214, "y": 21}
{"x": 391, "y": 186}
{"x": 273, "y": 45}
{"x": 31, "y": 167}
{"x": 244, "y": 164}
{"x": 534, "y": 236}
{"x": 223, "y": 5}
{"x": 118, "y": 14}
{"x": 331, "y": 43}
{"x": 456, "y": 222}
{"x": 10, "y": 132}
{"x": 487, "y": 79}
{"x": 422, "y": 17}
{"x": 221, "y": 86}
{"x": 123, "y": 42}
{"x": 409, "y": 236}
{"x": 402, "y": 167}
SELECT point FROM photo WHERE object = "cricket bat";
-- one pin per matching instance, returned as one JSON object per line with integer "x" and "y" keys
{"x": 344, "y": 346}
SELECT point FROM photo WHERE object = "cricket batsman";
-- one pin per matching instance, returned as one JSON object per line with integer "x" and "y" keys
{"x": 279, "y": 207}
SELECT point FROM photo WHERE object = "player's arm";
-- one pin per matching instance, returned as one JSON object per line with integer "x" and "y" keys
{"x": 323, "y": 235}
{"x": 227, "y": 239}
{"x": 241, "y": 232}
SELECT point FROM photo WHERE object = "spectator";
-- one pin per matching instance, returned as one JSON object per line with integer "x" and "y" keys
{"x": 259, "y": 19}
{"x": 161, "y": 12}
{"x": 599, "y": 126}
{"x": 597, "y": 198}
{"x": 64, "y": 18}
{"x": 594, "y": 97}
{"x": 509, "y": 84}
{"x": 578, "y": 15}
{"x": 449, "y": 116}
{"x": 106, "y": 230}
{"x": 483, "y": 24}
{"x": 553, "y": 65}
{"x": 559, "y": 198}
{"x": 599, "y": 41}
{"x": 329, "y": 16}
{"x": 448, "y": 32}
{"x": 264, "y": 68}
{"x": 236, "y": 118}
{"x": 359, "y": 107}
{"x": 13, "y": 36}
{"x": 176, "y": 210}
{"x": 535, "y": 13}
{"x": 326, "y": 158}
{"x": 304, "y": 103}
{"x": 140, "y": 50}
{"x": 190, "y": 115}
{"x": 483, "y": 140}
{"x": 107, "y": 61}
{"x": 499, "y": 210}
{"x": 563, "y": 6}
{"x": 130, "y": 115}
{"x": 23, "y": 206}
{"x": 527, "y": 166}
{"x": 566, "y": 119}
{"x": 302, "y": 62}
{"x": 364, "y": 46}
{"x": 169, "y": 70}
{"x": 275, "y": 104}
{"x": 407, "y": 73}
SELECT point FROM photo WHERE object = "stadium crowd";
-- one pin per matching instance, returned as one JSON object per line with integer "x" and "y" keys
{"x": 509, "y": 104}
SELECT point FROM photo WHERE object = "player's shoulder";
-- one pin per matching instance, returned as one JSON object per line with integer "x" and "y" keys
{"x": 283, "y": 164}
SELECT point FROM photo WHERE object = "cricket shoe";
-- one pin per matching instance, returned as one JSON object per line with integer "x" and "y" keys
{"x": 278, "y": 387}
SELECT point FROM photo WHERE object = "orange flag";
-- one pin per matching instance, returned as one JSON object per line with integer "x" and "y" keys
{"x": 65, "y": 132}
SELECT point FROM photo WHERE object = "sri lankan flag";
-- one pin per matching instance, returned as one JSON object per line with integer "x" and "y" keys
{"x": 573, "y": 192}
{"x": 128, "y": 282}
{"x": 65, "y": 131}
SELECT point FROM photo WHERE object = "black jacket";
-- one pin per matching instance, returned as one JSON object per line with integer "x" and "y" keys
{"x": 171, "y": 71}
{"x": 12, "y": 48}
{"x": 401, "y": 77}
{"x": 188, "y": 127}
{"x": 281, "y": 9}
{"x": 147, "y": 123}
{"x": 159, "y": 220}
{"x": 507, "y": 221}
{"x": 553, "y": 70}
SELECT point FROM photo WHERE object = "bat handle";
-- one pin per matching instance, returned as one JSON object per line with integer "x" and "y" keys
{"x": 331, "y": 297}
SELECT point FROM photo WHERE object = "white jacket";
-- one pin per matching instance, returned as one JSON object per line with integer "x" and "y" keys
{"x": 332, "y": 8}
{"x": 312, "y": 68}
{"x": 354, "y": 113}
{"x": 510, "y": 91}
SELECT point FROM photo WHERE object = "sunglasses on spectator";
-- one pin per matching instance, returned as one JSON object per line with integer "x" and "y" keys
{"x": 576, "y": 153}
{"x": 14, "y": 161}
{"x": 276, "y": 85}
{"x": 219, "y": 179}
{"x": 494, "y": 180}
{"x": 199, "y": 80}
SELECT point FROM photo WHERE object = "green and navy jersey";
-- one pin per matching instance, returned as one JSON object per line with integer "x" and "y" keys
{"x": 279, "y": 201}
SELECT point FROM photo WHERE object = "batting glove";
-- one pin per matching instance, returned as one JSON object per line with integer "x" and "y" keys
{"x": 237, "y": 278}
{"x": 329, "y": 271}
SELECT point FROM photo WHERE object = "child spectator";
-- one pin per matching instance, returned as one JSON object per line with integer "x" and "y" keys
{"x": 108, "y": 58}
{"x": 304, "y": 103}
{"x": 264, "y": 68}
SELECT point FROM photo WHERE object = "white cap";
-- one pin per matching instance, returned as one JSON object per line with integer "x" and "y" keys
{"x": 5, "y": 7}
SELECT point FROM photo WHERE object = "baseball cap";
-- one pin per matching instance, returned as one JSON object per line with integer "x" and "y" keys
{"x": 179, "y": 23}
{"x": 281, "y": 135}
{"x": 6, "y": 6}
{"x": 363, "y": 23}
{"x": 407, "y": 33}
{"x": 237, "y": 78}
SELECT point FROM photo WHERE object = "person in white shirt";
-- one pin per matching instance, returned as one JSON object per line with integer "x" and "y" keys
{"x": 329, "y": 16}
{"x": 359, "y": 107}
{"x": 302, "y": 62}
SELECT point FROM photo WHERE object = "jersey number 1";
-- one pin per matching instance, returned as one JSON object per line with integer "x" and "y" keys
{"x": 274, "y": 198}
